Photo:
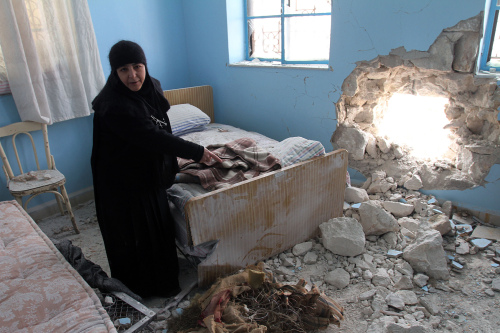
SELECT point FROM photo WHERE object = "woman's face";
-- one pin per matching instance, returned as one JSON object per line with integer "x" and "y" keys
{"x": 132, "y": 75}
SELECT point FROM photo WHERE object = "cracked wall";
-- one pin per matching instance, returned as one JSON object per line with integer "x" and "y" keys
{"x": 444, "y": 70}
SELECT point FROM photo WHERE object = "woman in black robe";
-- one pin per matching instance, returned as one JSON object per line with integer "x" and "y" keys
{"x": 133, "y": 164}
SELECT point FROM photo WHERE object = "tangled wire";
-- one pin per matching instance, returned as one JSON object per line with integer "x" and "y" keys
{"x": 279, "y": 311}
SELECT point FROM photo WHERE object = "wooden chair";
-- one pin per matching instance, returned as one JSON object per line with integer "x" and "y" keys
{"x": 33, "y": 183}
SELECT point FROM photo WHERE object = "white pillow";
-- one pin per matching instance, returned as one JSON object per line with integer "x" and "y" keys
{"x": 297, "y": 149}
{"x": 186, "y": 118}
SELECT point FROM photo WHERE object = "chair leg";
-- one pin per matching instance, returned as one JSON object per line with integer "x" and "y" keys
{"x": 59, "y": 203}
{"x": 68, "y": 207}
{"x": 19, "y": 201}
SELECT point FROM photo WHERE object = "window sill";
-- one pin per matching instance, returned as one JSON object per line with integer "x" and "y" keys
{"x": 487, "y": 74}
{"x": 268, "y": 64}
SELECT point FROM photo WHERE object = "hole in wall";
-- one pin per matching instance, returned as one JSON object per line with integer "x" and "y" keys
{"x": 423, "y": 112}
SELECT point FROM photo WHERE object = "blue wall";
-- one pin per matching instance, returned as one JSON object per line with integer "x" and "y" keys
{"x": 186, "y": 43}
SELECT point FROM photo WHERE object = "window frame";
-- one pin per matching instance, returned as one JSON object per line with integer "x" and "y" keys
{"x": 491, "y": 21}
{"x": 282, "y": 17}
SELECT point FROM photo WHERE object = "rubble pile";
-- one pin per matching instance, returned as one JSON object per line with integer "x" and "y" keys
{"x": 408, "y": 253}
{"x": 400, "y": 261}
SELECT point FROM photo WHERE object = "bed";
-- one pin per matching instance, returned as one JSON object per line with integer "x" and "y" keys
{"x": 256, "y": 218}
{"x": 39, "y": 290}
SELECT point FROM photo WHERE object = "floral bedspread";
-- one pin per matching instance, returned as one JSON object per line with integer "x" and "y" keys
{"x": 39, "y": 290}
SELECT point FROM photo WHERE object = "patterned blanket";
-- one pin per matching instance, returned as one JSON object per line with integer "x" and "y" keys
{"x": 241, "y": 160}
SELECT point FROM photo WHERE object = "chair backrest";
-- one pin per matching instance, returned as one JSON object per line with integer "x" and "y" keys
{"x": 24, "y": 128}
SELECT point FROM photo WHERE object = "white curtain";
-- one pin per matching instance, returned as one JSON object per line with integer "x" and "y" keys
{"x": 51, "y": 57}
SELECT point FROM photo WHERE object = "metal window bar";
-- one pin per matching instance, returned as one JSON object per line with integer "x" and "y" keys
{"x": 489, "y": 36}
{"x": 282, "y": 16}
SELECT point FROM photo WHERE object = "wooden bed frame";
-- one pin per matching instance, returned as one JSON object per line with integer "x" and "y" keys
{"x": 261, "y": 217}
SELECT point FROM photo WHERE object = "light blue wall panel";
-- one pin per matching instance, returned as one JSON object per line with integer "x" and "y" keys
{"x": 287, "y": 102}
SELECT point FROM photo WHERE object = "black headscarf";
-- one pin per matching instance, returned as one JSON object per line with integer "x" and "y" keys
{"x": 127, "y": 52}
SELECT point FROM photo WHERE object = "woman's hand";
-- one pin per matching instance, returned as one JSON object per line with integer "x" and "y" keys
{"x": 208, "y": 156}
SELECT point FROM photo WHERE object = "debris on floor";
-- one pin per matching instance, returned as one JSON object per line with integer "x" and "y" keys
{"x": 397, "y": 261}
{"x": 250, "y": 301}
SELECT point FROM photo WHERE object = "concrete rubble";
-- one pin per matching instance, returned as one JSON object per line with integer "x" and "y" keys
{"x": 397, "y": 265}
{"x": 399, "y": 261}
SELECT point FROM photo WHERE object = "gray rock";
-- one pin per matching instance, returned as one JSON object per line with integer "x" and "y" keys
{"x": 402, "y": 328}
{"x": 338, "y": 278}
{"x": 441, "y": 223}
{"x": 463, "y": 247}
{"x": 426, "y": 255}
{"x": 367, "y": 295}
{"x": 495, "y": 284}
{"x": 414, "y": 183}
{"x": 381, "y": 278}
{"x": 310, "y": 258}
{"x": 354, "y": 195}
{"x": 375, "y": 220}
{"x": 352, "y": 139}
{"x": 343, "y": 236}
{"x": 395, "y": 301}
{"x": 408, "y": 297}
{"x": 302, "y": 248}
{"x": 430, "y": 303}
{"x": 404, "y": 282}
{"x": 398, "y": 209}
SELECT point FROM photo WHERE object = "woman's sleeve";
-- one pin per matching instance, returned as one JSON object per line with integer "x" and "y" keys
{"x": 136, "y": 127}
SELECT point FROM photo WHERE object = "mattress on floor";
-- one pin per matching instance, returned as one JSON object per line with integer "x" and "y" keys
{"x": 39, "y": 290}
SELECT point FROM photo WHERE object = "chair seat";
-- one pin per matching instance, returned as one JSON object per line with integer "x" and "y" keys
{"x": 36, "y": 181}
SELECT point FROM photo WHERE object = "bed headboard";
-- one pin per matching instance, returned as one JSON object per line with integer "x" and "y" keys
{"x": 201, "y": 97}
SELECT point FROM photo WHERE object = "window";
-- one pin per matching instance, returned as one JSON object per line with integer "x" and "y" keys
{"x": 288, "y": 31}
{"x": 490, "y": 55}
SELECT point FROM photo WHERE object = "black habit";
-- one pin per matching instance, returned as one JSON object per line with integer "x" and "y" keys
{"x": 133, "y": 164}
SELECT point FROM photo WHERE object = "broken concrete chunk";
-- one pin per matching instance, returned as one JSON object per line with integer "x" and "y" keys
{"x": 367, "y": 295}
{"x": 381, "y": 278}
{"x": 355, "y": 195}
{"x": 420, "y": 280}
{"x": 486, "y": 232}
{"x": 404, "y": 283}
{"x": 409, "y": 223}
{"x": 441, "y": 223}
{"x": 310, "y": 258}
{"x": 395, "y": 301}
{"x": 302, "y": 248}
{"x": 398, "y": 209}
{"x": 352, "y": 139}
{"x": 408, "y": 297}
{"x": 462, "y": 247}
{"x": 414, "y": 183}
{"x": 338, "y": 278}
{"x": 384, "y": 145}
{"x": 375, "y": 220}
{"x": 430, "y": 303}
{"x": 427, "y": 255}
{"x": 343, "y": 236}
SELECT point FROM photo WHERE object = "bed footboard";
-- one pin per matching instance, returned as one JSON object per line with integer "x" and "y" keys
{"x": 256, "y": 219}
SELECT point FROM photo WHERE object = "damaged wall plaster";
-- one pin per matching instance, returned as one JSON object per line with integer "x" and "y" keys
{"x": 445, "y": 70}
